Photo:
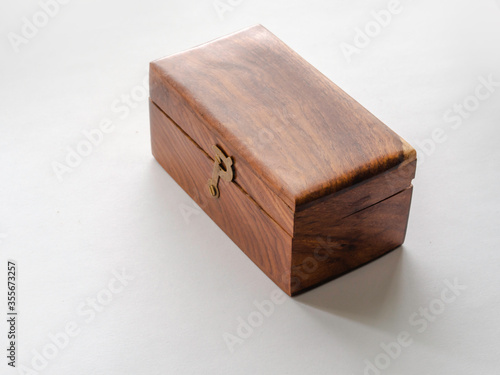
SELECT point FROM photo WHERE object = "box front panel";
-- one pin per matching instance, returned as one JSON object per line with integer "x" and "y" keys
{"x": 250, "y": 228}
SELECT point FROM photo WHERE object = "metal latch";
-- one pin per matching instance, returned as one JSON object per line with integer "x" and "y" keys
{"x": 224, "y": 171}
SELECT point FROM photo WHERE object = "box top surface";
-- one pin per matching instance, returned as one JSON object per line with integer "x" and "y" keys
{"x": 299, "y": 132}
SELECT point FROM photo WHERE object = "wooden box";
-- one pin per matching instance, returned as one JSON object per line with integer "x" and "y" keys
{"x": 307, "y": 182}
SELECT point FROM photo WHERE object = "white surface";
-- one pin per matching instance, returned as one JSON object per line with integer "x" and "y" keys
{"x": 118, "y": 209}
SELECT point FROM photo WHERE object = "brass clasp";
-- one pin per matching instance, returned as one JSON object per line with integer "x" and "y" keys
{"x": 225, "y": 172}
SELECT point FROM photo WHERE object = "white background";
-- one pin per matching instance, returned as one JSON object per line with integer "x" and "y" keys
{"x": 117, "y": 209}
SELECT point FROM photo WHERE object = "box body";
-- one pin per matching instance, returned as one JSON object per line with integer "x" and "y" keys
{"x": 307, "y": 182}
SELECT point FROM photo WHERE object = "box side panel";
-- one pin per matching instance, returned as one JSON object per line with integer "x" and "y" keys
{"x": 316, "y": 217}
{"x": 250, "y": 228}
{"x": 176, "y": 107}
{"x": 347, "y": 244}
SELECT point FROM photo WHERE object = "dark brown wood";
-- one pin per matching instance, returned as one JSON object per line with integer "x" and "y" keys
{"x": 251, "y": 228}
{"x": 178, "y": 109}
{"x": 347, "y": 244}
{"x": 241, "y": 85}
{"x": 336, "y": 207}
{"x": 320, "y": 185}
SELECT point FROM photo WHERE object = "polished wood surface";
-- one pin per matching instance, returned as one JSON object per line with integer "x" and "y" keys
{"x": 320, "y": 185}
{"x": 347, "y": 244}
{"x": 250, "y": 228}
{"x": 316, "y": 217}
{"x": 321, "y": 249}
{"x": 323, "y": 141}
{"x": 179, "y": 110}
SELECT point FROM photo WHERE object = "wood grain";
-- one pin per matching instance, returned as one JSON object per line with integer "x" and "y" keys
{"x": 179, "y": 110}
{"x": 347, "y": 244}
{"x": 323, "y": 141}
{"x": 315, "y": 254}
{"x": 320, "y": 185}
{"x": 315, "y": 217}
{"x": 250, "y": 228}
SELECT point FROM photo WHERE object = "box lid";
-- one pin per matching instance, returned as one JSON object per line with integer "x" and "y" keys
{"x": 302, "y": 135}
